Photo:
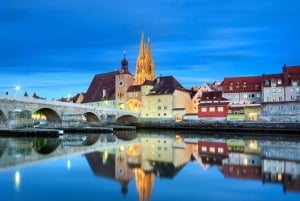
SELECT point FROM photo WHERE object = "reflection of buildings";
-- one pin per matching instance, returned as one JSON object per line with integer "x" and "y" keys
{"x": 212, "y": 151}
{"x": 144, "y": 182}
{"x": 113, "y": 166}
{"x": 281, "y": 164}
{"x": 165, "y": 155}
{"x": 240, "y": 165}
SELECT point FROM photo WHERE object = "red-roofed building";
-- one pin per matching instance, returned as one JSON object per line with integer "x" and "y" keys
{"x": 198, "y": 93}
{"x": 242, "y": 90}
{"x": 213, "y": 105}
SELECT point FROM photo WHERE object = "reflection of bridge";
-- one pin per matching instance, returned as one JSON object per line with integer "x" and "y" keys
{"x": 16, "y": 111}
{"x": 21, "y": 151}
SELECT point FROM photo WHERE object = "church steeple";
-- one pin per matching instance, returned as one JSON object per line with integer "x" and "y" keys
{"x": 150, "y": 62}
{"x": 144, "y": 64}
{"x": 142, "y": 47}
{"x": 124, "y": 62}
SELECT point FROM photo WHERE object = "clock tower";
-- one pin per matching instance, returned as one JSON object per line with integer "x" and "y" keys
{"x": 123, "y": 80}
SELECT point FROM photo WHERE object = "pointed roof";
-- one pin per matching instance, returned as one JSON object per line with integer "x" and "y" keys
{"x": 149, "y": 54}
{"x": 142, "y": 47}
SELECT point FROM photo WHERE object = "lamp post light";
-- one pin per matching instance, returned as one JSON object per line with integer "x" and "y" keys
{"x": 17, "y": 88}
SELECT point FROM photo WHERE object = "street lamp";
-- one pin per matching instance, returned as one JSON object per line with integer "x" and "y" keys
{"x": 17, "y": 88}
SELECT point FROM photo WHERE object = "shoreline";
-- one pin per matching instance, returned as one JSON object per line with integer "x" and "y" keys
{"x": 253, "y": 128}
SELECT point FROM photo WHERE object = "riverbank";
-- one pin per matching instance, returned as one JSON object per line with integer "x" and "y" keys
{"x": 29, "y": 132}
{"x": 276, "y": 128}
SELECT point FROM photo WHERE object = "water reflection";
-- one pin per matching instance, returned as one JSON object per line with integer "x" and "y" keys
{"x": 145, "y": 157}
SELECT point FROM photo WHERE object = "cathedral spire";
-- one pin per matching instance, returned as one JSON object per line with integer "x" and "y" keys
{"x": 142, "y": 47}
{"x": 149, "y": 59}
{"x": 144, "y": 65}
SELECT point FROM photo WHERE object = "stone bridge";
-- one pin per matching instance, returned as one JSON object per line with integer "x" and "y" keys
{"x": 23, "y": 111}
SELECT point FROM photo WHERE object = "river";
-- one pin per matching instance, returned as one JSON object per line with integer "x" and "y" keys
{"x": 150, "y": 165}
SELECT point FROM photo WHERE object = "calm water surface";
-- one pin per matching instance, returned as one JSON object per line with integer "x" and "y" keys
{"x": 149, "y": 166}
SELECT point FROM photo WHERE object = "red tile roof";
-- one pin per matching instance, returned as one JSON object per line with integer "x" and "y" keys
{"x": 241, "y": 84}
{"x": 101, "y": 88}
{"x": 289, "y": 73}
{"x": 270, "y": 77}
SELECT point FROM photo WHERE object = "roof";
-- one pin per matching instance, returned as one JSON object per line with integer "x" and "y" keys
{"x": 212, "y": 96}
{"x": 134, "y": 88}
{"x": 242, "y": 84}
{"x": 101, "y": 88}
{"x": 166, "y": 85}
{"x": 269, "y": 77}
{"x": 289, "y": 73}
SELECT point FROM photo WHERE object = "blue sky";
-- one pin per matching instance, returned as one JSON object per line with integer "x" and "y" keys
{"x": 55, "y": 47}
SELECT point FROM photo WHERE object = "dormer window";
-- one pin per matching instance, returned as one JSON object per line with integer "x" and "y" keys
{"x": 273, "y": 83}
{"x": 279, "y": 81}
{"x": 267, "y": 82}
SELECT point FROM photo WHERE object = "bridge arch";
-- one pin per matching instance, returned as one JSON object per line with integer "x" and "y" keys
{"x": 126, "y": 120}
{"x": 47, "y": 116}
{"x": 3, "y": 119}
{"x": 45, "y": 145}
{"x": 91, "y": 118}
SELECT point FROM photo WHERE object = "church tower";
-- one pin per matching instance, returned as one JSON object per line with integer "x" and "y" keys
{"x": 144, "y": 65}
{"x": 123, "y": 80}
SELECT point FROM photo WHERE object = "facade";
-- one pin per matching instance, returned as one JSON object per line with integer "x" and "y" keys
{"x": 102, "y": 89}
{"x": 280, "y": 111}
{"x": 144, "y": 64}
{"x": 198, "y": 93}
{"x": 134, "y": 94}
{"x": 250, "y": 112}
{"x": 213, "y": 105}
{"x": 291, "y": 77}
{"x": 272, "y": 87}
{"x": 242, "y": 90}
{"x": 162, "y": 97}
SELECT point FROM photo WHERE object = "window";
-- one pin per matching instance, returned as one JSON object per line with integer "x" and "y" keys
{"x": 159, "y": 100}
{"x": 212, "y": 150}
{"x": 165, "y": 107}
{"x": 273, "y": 83}
{"x": 204, "y": 149}
{"x": 230, "y": 88}
{"x": 279, "y": 81}
{"x": 158, "y": 108}
{"x": 220, "y": 150}
{"x": 203, "y": 109}
{"x": 267, "y": 82}
{"x": 212, "y": 109}
{"x": 220, "y": 109}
